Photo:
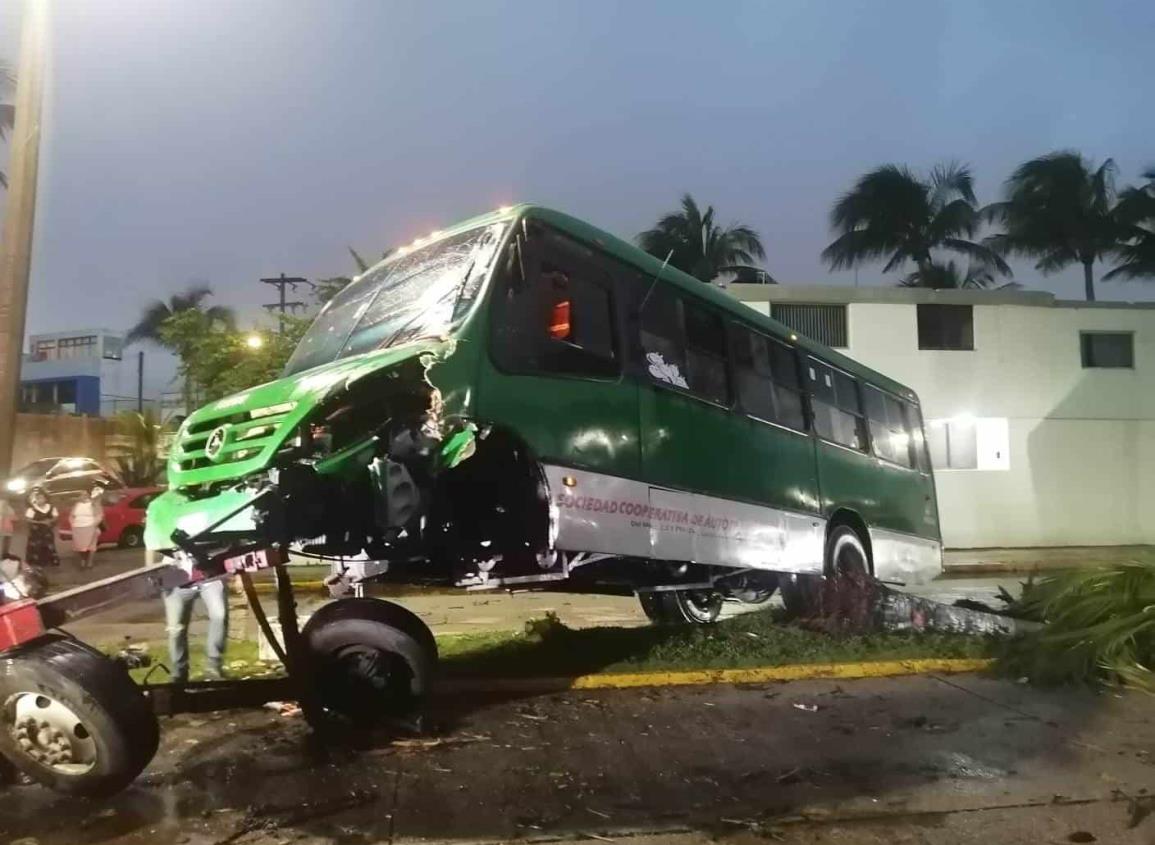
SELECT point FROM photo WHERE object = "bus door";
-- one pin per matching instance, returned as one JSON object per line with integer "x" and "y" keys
{"x": 554, "y": 376}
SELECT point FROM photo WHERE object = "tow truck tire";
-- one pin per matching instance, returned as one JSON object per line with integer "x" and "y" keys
{"x": 681, "y": 607}
{"x": 371, "y": 661}
{"x": 73, "y": 720}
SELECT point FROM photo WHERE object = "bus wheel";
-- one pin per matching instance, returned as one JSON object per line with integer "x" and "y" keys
{"x": 801, "y": 595}
{"x": 682, "y": 607}
{"x": 73, "y": 720}
{"x": 371, "y": 660}
{"x": 848, "y": 592}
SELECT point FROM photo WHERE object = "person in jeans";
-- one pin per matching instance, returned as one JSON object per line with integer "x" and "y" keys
{"x": 178, "y": 608}
{"x": 7, "y": 526}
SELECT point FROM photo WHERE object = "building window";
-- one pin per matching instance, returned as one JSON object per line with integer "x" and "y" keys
{"x": 969, "y": 443}
{"x": 823, "y": 323}
{"x": 946, "y": 327}
{"x": 1115, "y": 350}
{"x": 113, "y": 348}
{"x": 65, "y": 348}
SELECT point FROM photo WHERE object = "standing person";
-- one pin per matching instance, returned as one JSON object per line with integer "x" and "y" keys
{"x": 42, "y": 517}
{"x": 178, "y": 607}
{"x": 7, "y": 526}
{"x": 86, "y": 518}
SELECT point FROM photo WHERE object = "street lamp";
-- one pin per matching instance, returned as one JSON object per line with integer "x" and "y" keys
{"x": 254, "y": 341}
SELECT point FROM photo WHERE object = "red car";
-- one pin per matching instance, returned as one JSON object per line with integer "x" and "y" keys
{"x": 123, "y": 516}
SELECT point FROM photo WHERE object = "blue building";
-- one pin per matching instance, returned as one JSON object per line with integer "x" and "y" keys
{"x": 77, "y": 372}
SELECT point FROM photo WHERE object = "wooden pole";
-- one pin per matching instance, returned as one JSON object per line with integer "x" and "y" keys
{"x": 20, "y": 218}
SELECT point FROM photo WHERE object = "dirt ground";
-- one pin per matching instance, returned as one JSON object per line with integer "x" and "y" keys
{"x": 907, "y": 760}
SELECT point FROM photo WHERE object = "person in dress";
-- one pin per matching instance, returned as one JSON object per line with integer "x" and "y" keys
{"x": 41, "y": 516}
{"x": 85, "y": 519}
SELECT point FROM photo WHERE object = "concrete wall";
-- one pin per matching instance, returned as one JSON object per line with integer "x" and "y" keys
{"x": 45, "y": 436}
{"x": 1081, "y": 467}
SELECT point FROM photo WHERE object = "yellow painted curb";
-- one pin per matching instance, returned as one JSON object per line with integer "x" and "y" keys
{"x": 757, "y": 675}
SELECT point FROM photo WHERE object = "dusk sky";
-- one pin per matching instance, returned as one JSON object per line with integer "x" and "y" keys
{"x": 189, "y": 140}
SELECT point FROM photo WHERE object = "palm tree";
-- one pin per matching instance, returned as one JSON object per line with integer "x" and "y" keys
{"x": 192, "y": 298}
{"x": 7, "y": 112}
{"x": 894, "y": 215}
{"x": 947, "y": 276}
{"x": 695, "y": 245}
{"x": 1136, "y": 211}
{"x": 1061, "y": 211}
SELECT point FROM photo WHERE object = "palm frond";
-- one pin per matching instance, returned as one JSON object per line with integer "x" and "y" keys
{"x": 980, "y": 254}
{"x": 148, "y": 326}
{"x": 950, "y": 181}
{"x": 362, "y": 264}
{"x": 1100, "y": 627}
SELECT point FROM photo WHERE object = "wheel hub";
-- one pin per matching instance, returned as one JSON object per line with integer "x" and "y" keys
{"x": 49, "y": 733}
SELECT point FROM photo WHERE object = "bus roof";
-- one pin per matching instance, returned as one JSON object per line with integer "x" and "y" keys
{"x": 630, "y": 254}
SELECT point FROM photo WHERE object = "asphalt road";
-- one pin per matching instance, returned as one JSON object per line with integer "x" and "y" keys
{"x": 906, "y": 760}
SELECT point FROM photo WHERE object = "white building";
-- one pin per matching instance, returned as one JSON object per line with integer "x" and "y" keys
{"x": 1040, "y": 412}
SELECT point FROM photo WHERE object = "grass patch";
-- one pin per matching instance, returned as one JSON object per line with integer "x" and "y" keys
{"x": 241, "y": 661}
{"x": 549, "y": 648}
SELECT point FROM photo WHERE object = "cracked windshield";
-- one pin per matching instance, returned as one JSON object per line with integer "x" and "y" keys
{"x": 665, "y": 421}
{"x": 420, "y": 293}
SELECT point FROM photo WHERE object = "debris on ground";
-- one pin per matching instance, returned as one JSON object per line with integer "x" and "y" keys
{"x": 284, "y": 708}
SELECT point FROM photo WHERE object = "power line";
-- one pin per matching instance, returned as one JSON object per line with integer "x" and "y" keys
{"x": 282, "y": 283}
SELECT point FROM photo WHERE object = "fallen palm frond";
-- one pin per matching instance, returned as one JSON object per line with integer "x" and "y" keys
{"x": 1100, "y": 627}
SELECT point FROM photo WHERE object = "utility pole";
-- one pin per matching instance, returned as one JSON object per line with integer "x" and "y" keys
{"x": 140, "y": 382}
{"x": 20, "y": 217}
{"x": 281, "y": 283}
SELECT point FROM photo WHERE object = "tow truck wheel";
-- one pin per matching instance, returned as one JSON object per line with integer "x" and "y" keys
{"x": 371, "y": 660}
{"x": 73, "y": 720}
{"x": 682, "y": 607}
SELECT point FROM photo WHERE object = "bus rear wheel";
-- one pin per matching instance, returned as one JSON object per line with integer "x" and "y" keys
{"x": 73, "y": 720}
{"x": 681, "y": 607}
{"x": 371, "y": 661}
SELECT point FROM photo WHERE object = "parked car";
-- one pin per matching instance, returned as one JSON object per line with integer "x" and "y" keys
{"x": 61, "y": 478}
{"x": 124, "y": 511}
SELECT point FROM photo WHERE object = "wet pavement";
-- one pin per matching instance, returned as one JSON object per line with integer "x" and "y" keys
{"x": 924, "y": 759}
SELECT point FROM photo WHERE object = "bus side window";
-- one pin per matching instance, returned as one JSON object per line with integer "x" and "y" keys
{"x": 917, "y": 437}
{"x": 660, "y": 334}
{"x": 787, "y": 390}
{"x": 560, "y": 319}
{"x": 706, "y": 354}
{"x": 767, "y": 379}
{"x": 888, "y": 427}
{"x": 579, "y": 310}
{"x": 752, "y": 376}
{"x": 836, "y": 406}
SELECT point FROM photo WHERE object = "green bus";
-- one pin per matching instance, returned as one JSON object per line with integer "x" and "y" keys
{"x": 525, "y": 400}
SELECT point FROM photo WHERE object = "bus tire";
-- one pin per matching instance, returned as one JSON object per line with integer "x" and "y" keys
{"x": 681, "y": 607}
{"x": 801, "y": 595}
{"x": 370, "y": 661}
{"x": 73, "y": 720}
